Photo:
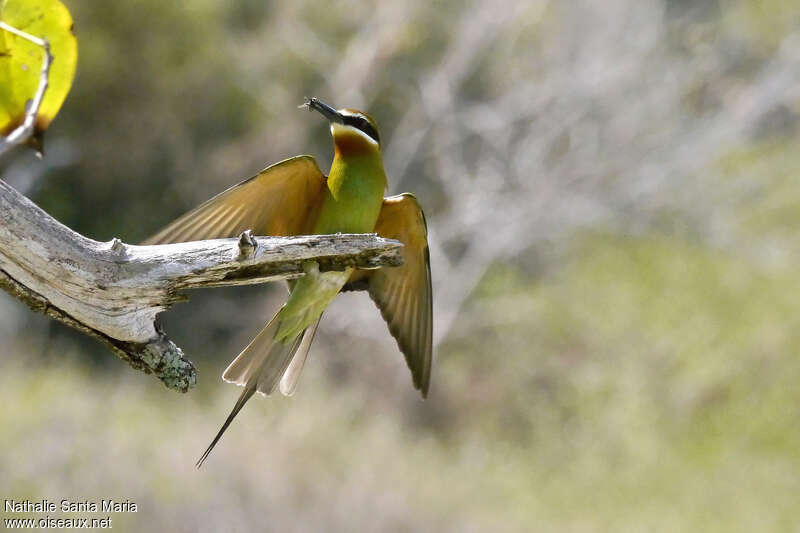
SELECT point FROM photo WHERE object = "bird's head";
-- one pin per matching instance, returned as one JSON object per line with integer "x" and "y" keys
{"x": 354, "y": 132}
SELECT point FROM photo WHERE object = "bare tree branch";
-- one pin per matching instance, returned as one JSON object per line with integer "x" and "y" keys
{"x": 114, "y": 291}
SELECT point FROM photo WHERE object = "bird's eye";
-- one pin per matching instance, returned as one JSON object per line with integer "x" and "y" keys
{"x": 362, "y": 124}
{"x": 367, "y": 128}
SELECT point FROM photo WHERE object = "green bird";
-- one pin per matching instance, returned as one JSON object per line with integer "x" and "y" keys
{"x": 294, "y": 197}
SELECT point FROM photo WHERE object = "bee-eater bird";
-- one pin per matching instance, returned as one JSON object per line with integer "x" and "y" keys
{"x": 294, "y": 197}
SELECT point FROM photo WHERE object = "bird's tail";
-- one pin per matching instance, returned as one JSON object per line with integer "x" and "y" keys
{"x": 264, "y": 360}
{"x": 246, "y": 394}
{"x": 292, "y": 374}
{"x": 258, "y": 368}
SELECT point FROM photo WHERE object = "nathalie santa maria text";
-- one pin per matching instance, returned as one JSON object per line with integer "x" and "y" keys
{"x": 68, "y": 506}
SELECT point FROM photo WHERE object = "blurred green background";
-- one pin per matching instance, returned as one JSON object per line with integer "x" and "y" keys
{"x": 613, "y": 199}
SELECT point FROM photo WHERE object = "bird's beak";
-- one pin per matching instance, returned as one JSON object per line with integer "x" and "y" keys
{"x": 327, "y": 111}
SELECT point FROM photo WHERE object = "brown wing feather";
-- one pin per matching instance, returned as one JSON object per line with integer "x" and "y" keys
{"x": 281, "y": 200}
{"x": 403, "y": 294}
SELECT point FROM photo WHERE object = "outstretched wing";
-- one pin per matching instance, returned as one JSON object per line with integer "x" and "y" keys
{"x": 403, "y": 294}
{"x": 281, "y": 200}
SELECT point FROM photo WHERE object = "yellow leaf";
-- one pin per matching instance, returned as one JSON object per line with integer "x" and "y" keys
{"x": 21, "y": 60}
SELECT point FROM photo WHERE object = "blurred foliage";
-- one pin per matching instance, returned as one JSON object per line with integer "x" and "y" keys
{"x": 21, "y": 60}
{"x": 625, "y": 359}
{"x": 654, "y": 393}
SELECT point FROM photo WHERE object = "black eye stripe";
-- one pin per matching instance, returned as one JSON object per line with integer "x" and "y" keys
{"x": 362, "y": 124}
